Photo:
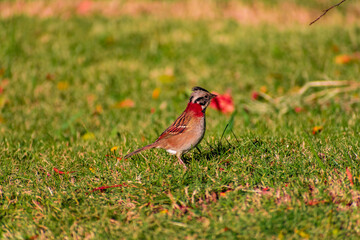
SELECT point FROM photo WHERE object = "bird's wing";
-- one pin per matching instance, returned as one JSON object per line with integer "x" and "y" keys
{"x": 180, "y": 125}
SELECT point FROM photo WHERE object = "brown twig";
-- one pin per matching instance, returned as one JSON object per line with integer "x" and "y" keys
{"x": 285, "y": 103}
{"x": 324, "y": 84}
{"x": 336, "y": 5}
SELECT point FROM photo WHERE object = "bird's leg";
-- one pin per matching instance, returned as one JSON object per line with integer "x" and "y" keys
{"x": 178, "y": 155}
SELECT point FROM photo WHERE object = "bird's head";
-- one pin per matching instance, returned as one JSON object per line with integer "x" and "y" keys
{"x": 201, "y": 96}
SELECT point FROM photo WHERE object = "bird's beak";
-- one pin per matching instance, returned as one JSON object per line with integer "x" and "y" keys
{"x": 213, "y": 95}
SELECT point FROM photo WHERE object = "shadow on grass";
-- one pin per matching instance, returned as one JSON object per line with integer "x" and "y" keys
{"x": 212, "y": 154}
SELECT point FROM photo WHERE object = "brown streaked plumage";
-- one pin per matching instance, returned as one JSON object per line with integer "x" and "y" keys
{"x": 187, "y": 130}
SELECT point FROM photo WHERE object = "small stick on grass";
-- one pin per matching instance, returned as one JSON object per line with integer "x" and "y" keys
{"x": 325, "y": 11}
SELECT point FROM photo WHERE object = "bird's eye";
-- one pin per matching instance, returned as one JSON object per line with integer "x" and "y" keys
{"x": 199, "y": 99}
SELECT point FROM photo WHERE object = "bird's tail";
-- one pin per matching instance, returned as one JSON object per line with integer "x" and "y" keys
{"x": 150, "y": 146}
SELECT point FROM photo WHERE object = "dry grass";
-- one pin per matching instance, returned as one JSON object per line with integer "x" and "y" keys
{"x": 283, "y": 14}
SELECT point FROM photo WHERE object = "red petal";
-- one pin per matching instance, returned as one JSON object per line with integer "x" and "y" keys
{"x": 223, "y": 103}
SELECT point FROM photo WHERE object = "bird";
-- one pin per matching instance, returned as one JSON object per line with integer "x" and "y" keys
{"x": 187, "y": 130}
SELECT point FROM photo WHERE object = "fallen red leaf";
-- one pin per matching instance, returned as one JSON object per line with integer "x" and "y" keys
{"x": 255, "y": 96}
{"x": 223, "y": 103}
{"x": 103, "y": 188}
{"x": 343, "y": 59}
{"x": 222, "y": 194}
{"x": 61, "y": 172}
{"x": 314, "y": 202}
{"x": 156, "y": 93}
{"x": 221, "y": 169}
{"x": 349, "y": 175}
{"x": 126, "y": 103}
{"x": 49, "y": 76}
{"x": 58, "y": 171}
{"x": 265, "y": 189}
{"x": 298, "y": 109}
{"x": 317, "y": 129}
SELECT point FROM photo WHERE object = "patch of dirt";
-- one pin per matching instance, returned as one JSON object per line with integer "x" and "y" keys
{"x": 282, "y": 14}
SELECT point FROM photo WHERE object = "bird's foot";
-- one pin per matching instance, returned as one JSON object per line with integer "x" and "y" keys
{"x": 181, "y": 162}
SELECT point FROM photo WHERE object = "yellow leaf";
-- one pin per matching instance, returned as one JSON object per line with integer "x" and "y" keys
{"x": 263, "y": 89}
{"x": 88, "y": 136}
{"x": 166, "y": 78}
{"x": 98, "y": 109}
{"x": 164, "y": 211}
{"x": 156, "y": 93}
{"x": 317, "y": 129}
{"x": 302, "y": 234}
{"x": 114, "y": 148}
{"x": 92, "y": 170}
{"x": 281, "y": 236}
{"x": 127, "y": 103}
{"x": 343, "y": 59}
{"x": 3, "y": 101}
{"x": 62, "y": 85}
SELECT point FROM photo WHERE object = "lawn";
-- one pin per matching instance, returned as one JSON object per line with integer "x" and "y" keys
{"x": 77, "y": 94}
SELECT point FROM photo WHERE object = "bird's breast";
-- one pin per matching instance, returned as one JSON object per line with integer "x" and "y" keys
{"x": 195, "y": 109}
{"x": 196, "y": 134}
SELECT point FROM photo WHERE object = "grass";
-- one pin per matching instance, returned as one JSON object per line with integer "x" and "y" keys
{"x": 63, "y": 84}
